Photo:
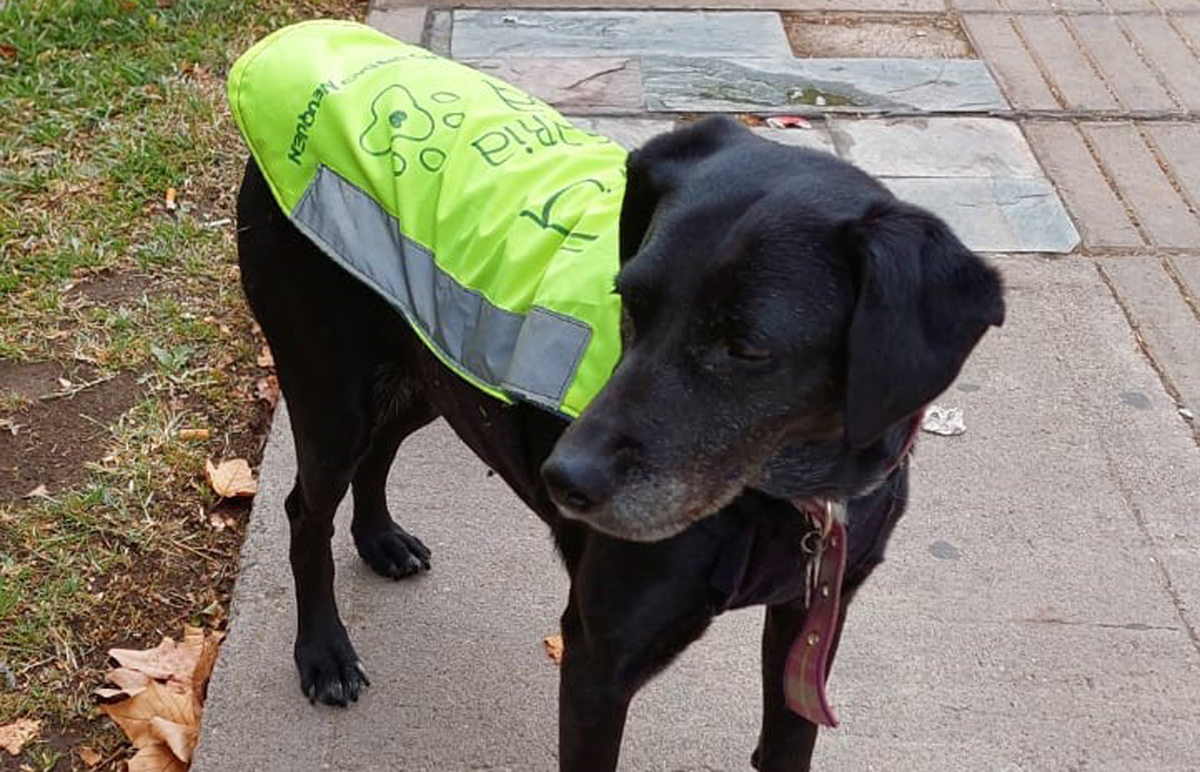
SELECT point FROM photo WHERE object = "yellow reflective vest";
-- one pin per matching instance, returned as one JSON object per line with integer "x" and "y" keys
{"x": 484, "y": 217}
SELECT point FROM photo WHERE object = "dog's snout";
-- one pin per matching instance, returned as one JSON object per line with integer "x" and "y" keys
{"x": 578, "y": 482}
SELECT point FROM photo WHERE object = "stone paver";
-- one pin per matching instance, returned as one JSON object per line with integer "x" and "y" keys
{"x": 629, "y": 133}
{"x": 622, "y": 33}
{"x": 937, "y": 147}
{"x": 687, "y": 84}
{"x": 1018, "y": 74}
{"x": 578, "y": 85}
{"x": 1179, "y": 144}
{"x": 994, "y": 215}
{"x": 1027, "y": 646}
{"x": 405, "y": 24}
{"x": 441, "y": 26}
{"x": 1134, "y": 82}
{"x": 1097, "y": 210}
{"x": 1130, "y": 164}
{"x": 1187, "y": 267}
{"x": 1066, "y": 66}
{"x": 1164, "y": 320}
{"x": 1160, "y": 44}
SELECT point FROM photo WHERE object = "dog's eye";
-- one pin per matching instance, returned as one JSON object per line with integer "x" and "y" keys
{"x": 748, "y": 352}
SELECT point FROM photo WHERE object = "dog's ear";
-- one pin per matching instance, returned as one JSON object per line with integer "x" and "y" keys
{"x": 661, "y": 166}
{"x": 924, "y": 301}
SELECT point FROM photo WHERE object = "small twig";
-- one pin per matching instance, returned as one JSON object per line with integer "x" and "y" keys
{"x": 71, "y": 392}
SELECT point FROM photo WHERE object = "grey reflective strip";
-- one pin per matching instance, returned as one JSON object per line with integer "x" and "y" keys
{"x": 533, "y": 356}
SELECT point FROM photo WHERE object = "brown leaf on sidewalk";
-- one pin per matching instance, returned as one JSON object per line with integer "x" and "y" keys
{"x": 231, "y": 478}
{"x": 554, "y": 648}
{"x": 14, "y": 736}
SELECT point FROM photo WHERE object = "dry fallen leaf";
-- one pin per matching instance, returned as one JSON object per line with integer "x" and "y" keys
{"x": 8, "y": 52}
{"x": 156, "y": 758}
{"x": 89, "y": 756}
{"x": 168, "y": 685}
{"x": 267, "y": 389}
{"x": 193, "y": 434}
{"x": 554, "y": 648}
{"x": 231, "y": 478}
{"x": 129, "y": 683}
{"x": 265, "y": 357}
{"x": 14, "y": 736}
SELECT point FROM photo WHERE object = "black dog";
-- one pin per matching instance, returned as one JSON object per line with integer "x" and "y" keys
{"x": 786, "y": 321}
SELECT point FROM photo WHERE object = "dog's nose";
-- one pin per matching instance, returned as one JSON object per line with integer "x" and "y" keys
{"x": 576, "y": 481}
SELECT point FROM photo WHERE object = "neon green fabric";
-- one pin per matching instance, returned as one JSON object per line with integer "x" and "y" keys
{"x": 511, "y": 200}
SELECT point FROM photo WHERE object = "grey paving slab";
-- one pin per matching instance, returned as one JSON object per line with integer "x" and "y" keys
{"x": 690, "y": 84}
{"x": 1164, "y": 319}
{"x": 1179, "y": 145}
{"x": 1078, "y": 85}
{"x": 405, "y": 24}
{"x": 1187, "y": 267}
{"x": 1130, "y": 164}
{"x": 816, "y": 138}
{"x": 579, "y": 85}
{"x": 1063, "y": 612}
{"x": 1098, "y": 212}
{"x": 629, "y": 133}
{"x": 997, "y": 41}
{"x": 994, "y": 214}
{"x": 1175, "y": 62}
{"x": 1128, "y": 75}
{"x": 936, "y": 147}
{"x": 441, "y": 27}
{"x": 740, "y": 34}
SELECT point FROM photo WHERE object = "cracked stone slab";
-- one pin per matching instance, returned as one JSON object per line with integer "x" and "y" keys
{"x": 629, "y": 133}
{"x": 936, "y": 147}
{"x": 808, "y": 86}
{"x": 579, "y": 85}
{"x": 737, "y": 34}
{"x": 994, "y": 214}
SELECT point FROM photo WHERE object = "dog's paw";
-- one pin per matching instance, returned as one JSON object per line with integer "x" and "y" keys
{"x": 330, "y": 671}
{"x": 392, "y": 551}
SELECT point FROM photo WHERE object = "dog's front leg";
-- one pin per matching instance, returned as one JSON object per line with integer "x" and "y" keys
{"x": 786, "y": 741}
{"x": 592, "y": 704}
{"x": 633, "y": 607}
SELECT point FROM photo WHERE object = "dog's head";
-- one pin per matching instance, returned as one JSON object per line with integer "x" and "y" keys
{"x": 785, "y": 317}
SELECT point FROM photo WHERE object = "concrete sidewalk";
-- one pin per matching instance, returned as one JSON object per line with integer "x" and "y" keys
{"x": 1040, "y": 606}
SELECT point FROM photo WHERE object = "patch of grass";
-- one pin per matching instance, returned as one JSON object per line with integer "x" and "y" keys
{"x": 104, "y": 105}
